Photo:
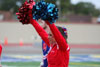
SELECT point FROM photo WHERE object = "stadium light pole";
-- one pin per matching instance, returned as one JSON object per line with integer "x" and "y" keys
{"x": 59, "y": 7}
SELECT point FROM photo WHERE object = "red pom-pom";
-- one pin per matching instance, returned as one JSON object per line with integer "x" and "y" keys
{"x": 25, "y": 12}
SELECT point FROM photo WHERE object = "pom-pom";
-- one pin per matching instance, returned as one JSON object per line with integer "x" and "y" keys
{"x": 25, "y": 12}
{"x": 45, "y": 11}
{"x": 39, "y": 10}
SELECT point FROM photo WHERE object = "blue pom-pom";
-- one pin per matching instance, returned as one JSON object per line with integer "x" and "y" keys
{"x": 45, "y": 11}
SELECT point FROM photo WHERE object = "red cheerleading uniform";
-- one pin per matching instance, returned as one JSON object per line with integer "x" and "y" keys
{"x": 58, "y": 55}
{"x": 0, "y": 50}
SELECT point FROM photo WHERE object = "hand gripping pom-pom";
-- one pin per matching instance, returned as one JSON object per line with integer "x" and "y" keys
{"x": 25, "y": 12}
{"x": 45, "y": 11}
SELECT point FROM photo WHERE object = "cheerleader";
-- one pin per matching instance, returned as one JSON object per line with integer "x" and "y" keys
{"x": 58, "y": 54}
{"x": 45, "y": 48}
{"x": 0, "y": 53}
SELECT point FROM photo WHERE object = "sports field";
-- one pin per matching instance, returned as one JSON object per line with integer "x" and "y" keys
{"x": 36, "y": 64}
{"x": 31, "y": 56}
{"x": 34, "y": 60}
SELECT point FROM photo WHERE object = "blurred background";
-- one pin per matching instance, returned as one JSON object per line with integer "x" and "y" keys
{"x": 22, "y": 45}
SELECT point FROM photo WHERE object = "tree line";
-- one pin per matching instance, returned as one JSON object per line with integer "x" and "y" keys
{"x": 65, "y": 7}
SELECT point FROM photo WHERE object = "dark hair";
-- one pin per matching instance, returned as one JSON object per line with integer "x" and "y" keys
{"x": 62, "y": 32}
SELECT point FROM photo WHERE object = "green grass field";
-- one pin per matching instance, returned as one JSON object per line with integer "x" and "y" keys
{"x": 36, "y": 64}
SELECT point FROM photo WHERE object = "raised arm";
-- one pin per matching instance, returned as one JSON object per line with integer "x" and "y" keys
{"x": 40, "y": 31}
{"x": 25, "y": 16}
{"x": 63, "y": 45}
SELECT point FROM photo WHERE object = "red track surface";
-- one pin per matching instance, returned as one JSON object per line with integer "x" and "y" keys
{"x": 85, "y": 46}
{"x": 94, "y": 46}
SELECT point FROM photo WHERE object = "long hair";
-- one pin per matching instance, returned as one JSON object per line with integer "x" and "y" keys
{"x": 63, "y": 31}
